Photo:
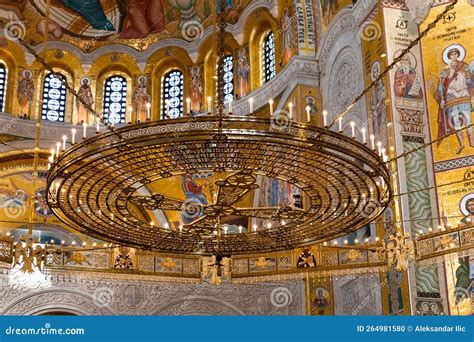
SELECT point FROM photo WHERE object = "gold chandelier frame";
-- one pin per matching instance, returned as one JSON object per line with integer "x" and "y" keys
{"x": 96, "y": 185}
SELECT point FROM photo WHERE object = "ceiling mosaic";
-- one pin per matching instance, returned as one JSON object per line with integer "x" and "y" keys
{"x": 90, "y": 24}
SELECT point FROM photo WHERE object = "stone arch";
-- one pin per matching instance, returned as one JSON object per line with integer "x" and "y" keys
{"x": 342, "y": 74}
{"x": 40, "y": 302}
{"x": 199, "y": 306}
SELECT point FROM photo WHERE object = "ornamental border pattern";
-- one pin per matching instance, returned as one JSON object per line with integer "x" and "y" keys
{"x": 453, "y": 164}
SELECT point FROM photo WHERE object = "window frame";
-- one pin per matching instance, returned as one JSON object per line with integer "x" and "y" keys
{"x": 46, "y": 98}
{"x": 165, "y": 96}
{"x": 122, "y": 102}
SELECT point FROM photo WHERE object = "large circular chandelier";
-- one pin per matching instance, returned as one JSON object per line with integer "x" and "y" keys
{"x": 101, "y": 186}
{"x": 106, "y": 186}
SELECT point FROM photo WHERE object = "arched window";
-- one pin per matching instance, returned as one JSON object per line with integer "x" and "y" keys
{"x": 54, "y": 98}
{"x": 172, "y": 94}
{"x": 228, "y": 79}
{"x": 268, "y": 60}
{"x": 3, "y": 85}
{"x": 115, "y": 99}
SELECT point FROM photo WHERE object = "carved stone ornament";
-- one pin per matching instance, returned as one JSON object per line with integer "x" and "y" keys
{"x": 419, "y": 9}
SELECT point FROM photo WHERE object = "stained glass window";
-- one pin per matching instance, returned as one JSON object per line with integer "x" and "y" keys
{"x": 54, "y": 98}
{"x": 3, "y": 86}
{"x": 172, "y": 94}
{"x": 269, "y": 57}
{"x": 115, "y": 99}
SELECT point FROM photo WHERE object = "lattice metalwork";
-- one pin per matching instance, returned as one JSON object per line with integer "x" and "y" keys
{"x": 97, "y": 185}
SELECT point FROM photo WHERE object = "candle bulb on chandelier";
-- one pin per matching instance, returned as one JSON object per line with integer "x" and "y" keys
{"x": 340, "y": 123}
{"x": 73, "y": 134}
{"x": 53, "y": 154}
{"x": 97, "y": 127}
{"x": 209, "y": 104}
{"x": 353, "y": 129}
{"x": 270, "y": 102}
{"x": 58, "y": 146}
{"x": 379, "y": 147}
{"x": 130, "y": 112}
{"x": 325, "y": 118}
{"x": 64, "y": 142}
{"x": 148, "y": 110}
{"x": 308, "y": 113}
{"x": 180, "y": 228}
{"x": 230, "y": 105}
{"x": 290, "y": 106}
{"x": 251, "y": 105}
{"x": 188, "y": 105}
{"x": 254, "y": 227}
{"x": 364, "y": 138}
{"x": 84, "y": 130}
{"x": 372, "y": 141}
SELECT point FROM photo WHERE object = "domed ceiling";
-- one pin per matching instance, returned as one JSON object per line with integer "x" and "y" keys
{"x": 90, "y": 24}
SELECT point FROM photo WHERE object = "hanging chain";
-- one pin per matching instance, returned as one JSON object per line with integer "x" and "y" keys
{"x": 222, "y": 24}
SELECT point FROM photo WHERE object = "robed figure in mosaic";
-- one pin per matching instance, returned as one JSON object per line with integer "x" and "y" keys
{"x": 454, "y": 97}
{"x": 141, "y": 98}
{"x": 243, "y": 72}
{"x": 25, "y": 92}
{"x": 196, "y": 90}
{"x": 85, "y": 100}
{"x": 287, "y": 36}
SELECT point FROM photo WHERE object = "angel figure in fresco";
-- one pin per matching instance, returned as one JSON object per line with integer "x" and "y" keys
{"x": 377, "y": 103}
{"x": 143, "y": 17}
{"x": 141, "y": 98}
{"x": 13, "y": 196}
{"x": 287, "y": 36}
{"x": 85, "y": 101}
{"x": 243, "y": 72}
{"x": 92, "y": 12}
{"x": 194, "y": 194}
{"x": 196, "y": 90}
{"x": 407, "y": 83}
{"x": 25, "y": 92}
{"x": 454, "y": 96}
